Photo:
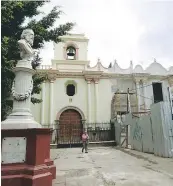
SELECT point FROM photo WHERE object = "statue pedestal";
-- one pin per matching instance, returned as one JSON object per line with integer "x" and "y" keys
{"x": 26, "y": 157}
{"x": 21, "y": 117}
{"x": 25, "y": 144}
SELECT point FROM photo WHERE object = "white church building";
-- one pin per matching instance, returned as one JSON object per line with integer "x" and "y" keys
{"x": 74, "y": 92}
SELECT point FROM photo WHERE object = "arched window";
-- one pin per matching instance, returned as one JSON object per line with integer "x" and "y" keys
{"x": 70, "y": 87}
{"x": 70, "y": 90}
{"x": 71, "y": 53}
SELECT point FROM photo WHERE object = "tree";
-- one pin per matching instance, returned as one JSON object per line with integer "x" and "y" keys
{"x": 14, "y": 13}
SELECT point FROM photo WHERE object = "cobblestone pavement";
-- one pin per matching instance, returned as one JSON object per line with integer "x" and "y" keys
{"x": 108, "y": 166}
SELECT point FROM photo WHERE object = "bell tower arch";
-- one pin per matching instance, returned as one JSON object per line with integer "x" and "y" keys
{"x": 71, "y": 53}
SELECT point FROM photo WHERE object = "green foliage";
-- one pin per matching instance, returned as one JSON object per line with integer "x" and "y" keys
{"x": 13, "y": 15}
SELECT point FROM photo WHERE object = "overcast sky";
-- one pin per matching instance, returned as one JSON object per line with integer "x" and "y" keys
{"x": 137, "y": 30}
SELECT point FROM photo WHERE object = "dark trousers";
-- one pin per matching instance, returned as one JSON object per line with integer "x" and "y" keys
{"x": 85, "y": 146}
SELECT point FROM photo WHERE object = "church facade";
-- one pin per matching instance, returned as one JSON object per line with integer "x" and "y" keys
{"x": 74, "y": 91}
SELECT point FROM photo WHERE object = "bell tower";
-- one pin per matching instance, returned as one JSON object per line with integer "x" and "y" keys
{"x": 71, "y": 53}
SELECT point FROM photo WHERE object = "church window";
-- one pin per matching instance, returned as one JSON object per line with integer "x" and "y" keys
{"x": 70, "y": 87}
{"x": 70, "y": 90}
{"x": 71, "y": 53}
{"x": 157, "y": 92}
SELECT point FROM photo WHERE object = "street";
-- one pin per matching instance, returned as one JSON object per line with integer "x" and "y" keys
{"x": 108, "y": 166}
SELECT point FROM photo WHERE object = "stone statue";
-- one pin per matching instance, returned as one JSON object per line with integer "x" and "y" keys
{"x": 25, "y": 43}
{"x": 21, "y": 116}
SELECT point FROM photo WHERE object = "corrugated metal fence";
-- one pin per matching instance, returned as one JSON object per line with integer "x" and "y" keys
{"x": 153, "y": 133}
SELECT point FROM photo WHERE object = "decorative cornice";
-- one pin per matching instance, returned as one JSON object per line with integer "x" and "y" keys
{"x": 114, "y": 75}
{"x": 88, "y": 80}
{"x": 157, "y": 76}
{"x": 96, "y": 80}
{"x": 70, "y": 74}
{"x": 52, "y": 76}
{"x": 141, "y": 75}
{"x": 70, "y": 62}
{"x": 87, "y": 72}
{"x": 94, "y": 75}
{"x": 74, "y": 39}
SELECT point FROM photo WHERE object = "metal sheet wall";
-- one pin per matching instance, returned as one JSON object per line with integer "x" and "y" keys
{"x": 153, "y": 133}
{"x": 162, "y": 129}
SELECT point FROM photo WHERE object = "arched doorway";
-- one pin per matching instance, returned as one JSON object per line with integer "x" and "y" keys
{"x": 70, "y": 127}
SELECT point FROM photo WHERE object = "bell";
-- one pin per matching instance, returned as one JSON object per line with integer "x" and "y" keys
{"x": 71, "y": 52}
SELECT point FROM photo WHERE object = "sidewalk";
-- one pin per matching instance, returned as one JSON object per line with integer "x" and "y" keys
{"x": 159, "y": 164}
{"x": 106, "y": 166}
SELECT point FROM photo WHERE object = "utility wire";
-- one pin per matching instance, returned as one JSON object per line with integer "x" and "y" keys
{"x": 143, "y": 96}
{"x": 151, "y": 84}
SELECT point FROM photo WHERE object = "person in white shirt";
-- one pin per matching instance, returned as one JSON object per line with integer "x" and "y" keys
{"x": 85, "y": 140}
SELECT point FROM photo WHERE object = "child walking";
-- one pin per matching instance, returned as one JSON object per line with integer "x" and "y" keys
{"x": 85, "y": 140}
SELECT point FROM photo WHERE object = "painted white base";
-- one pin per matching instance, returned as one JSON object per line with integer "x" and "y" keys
{"x": 20, "y": 122}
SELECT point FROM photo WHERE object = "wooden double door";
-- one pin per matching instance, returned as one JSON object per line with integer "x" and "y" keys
{"x": 70, "y": 127}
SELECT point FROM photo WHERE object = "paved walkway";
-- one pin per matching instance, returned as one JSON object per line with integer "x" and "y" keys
{"x": 107, "y": 166}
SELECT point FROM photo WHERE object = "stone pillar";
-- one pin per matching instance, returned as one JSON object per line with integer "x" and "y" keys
{"x": 96, "y": 81}
{"x": 89, "y": 99}
{"x": 138, "y": 93}
{"x": 43, "y": 104}
{"x": 146, "y": 100}
{"x": 170, "y": 81}
{"x": 84, "y": 124}
{"x": 52, "y": 78}
{"x": 77, "y": 53}
{"x": 51, "y": 103}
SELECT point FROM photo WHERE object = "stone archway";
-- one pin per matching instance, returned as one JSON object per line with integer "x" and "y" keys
{"x": 72, "y": 108}
{"x": 70, "y": 127}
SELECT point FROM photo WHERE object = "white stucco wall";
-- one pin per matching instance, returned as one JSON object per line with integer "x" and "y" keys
{"x": 47, "y": 101}
{"x": 59, "y": 51}
{"x": 70, "y": 67}
{"x": 82, "y": 51}
{"x": 79, "y": 100}
{"x": 61, "y": 99}
{"x": 36, "y": 109}
{"x": 124, "y": 84}
{"x": 104, "y": 100}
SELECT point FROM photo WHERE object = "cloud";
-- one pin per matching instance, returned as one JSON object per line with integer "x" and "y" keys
{"x": 157, "y": 40}
{"x": 125, "y": 30}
